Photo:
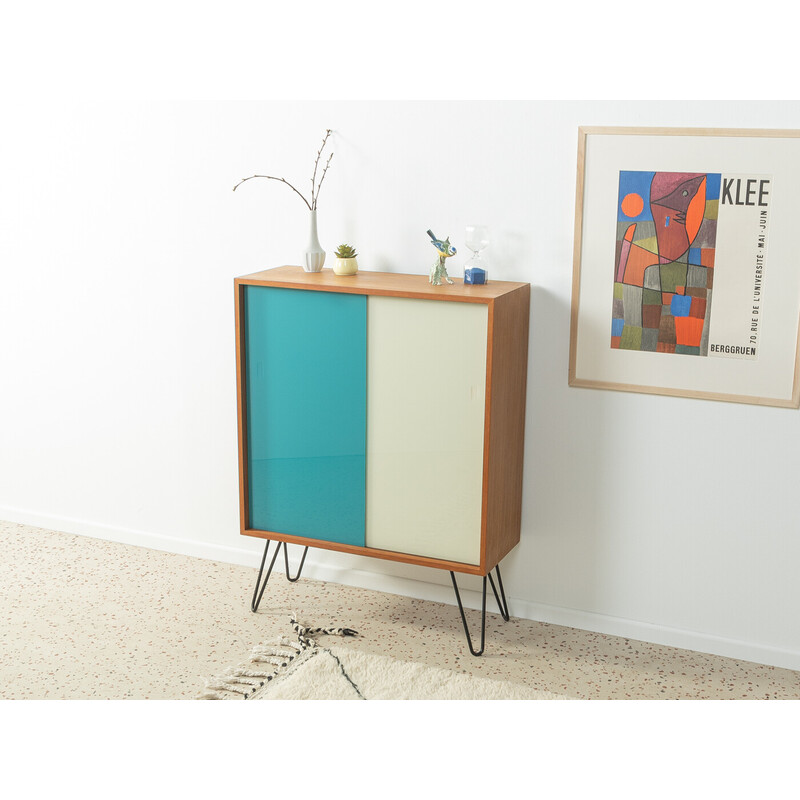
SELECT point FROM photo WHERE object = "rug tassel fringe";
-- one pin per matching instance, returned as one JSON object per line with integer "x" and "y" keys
{"x": 280, "y": 653}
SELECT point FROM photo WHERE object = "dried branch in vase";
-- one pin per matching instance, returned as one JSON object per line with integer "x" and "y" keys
{"x": 315, "y": 187}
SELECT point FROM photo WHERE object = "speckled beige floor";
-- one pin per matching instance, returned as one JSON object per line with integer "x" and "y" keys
{"x": 83, "y": 618}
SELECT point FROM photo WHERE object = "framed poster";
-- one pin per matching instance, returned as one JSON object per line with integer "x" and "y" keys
{"x": 686, "y": 273}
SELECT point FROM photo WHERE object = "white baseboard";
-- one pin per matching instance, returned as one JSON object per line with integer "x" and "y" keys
{"x": 153, "y": 541}
{"x": 568, "y": 617}
{"x": 423, "y": 590}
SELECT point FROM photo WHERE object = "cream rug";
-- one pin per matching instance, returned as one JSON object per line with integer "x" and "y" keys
{"x": 302, "y": 670}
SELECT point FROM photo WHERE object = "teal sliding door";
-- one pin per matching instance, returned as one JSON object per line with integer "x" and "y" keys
{"x": 305, "y": 373}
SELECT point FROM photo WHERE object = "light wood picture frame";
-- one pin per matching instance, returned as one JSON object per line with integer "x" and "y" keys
{"x": 686, "y": 275}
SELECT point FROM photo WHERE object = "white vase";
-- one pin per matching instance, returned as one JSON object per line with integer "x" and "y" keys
{"x": 315, "y": 255}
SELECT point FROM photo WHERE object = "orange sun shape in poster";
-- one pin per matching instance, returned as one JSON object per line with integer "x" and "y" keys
{"x": 632, "y": 205}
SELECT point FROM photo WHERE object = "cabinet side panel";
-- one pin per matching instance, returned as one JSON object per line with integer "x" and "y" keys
{"x": 506, "y": 409}
{"x": 241, "y": 411}
{"x": 306, "y": 412}
{"x": 425, "y": 426}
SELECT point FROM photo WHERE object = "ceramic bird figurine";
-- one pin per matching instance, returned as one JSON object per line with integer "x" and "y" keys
{"x": 439, "y": 270}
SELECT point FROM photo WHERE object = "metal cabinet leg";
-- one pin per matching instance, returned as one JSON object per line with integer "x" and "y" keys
{"x": 258, "y": 593}
{"x": 502, "y": 603}
{"x": 464, "y": 619}
{"x": 286, "y": 561}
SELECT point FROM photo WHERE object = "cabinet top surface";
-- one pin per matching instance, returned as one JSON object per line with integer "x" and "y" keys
{"x": 389, "y": 283}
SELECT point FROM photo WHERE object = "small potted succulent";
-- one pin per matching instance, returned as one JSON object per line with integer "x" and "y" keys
{"x": 346, "y": 263}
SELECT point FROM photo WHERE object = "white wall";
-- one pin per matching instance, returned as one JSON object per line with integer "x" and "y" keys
{"x": 119, "y": 241}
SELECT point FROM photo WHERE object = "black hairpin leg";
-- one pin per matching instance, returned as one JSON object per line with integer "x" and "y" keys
{"x": 503, "y": 605}
{"x": 464, "y": 619}
{"x": 258, "y": 593}
{"x": 286, "y": 561}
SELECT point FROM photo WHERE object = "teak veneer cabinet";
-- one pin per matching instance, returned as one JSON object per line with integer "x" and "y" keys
{"x": 382, "y": 416}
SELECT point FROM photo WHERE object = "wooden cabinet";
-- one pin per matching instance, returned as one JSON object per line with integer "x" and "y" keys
{"x": 382, "y": 416}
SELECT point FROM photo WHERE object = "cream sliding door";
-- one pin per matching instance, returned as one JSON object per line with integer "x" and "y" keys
{"x": 426, "y": 381}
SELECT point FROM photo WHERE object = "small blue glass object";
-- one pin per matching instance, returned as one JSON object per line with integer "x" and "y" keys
{"x": 474, "y": 275}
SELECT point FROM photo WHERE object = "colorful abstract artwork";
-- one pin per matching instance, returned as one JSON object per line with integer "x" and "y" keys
{"x": 664, "y": 265}
{"x": 698, "y": 264}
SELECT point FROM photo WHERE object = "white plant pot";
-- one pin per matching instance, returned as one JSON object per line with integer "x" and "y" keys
{"x": 345, "y": 266}
{"x": 315, "y": 255}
